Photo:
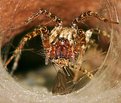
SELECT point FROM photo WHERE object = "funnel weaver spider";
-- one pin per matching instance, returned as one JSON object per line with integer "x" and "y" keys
{"x": 64, "y": 46}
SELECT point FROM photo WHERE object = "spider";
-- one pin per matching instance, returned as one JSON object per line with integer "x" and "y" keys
{"x": 64, "y": 46}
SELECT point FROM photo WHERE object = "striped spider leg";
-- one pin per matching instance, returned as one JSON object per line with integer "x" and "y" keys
{"x": 82, "y": 42}
{"x": 38, "y": 31}
{"x": 46, "y": 13}
{"x": 83, "y": 16}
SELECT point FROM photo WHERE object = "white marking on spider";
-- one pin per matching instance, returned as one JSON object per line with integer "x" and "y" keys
{"x": 62, "y": 32}
{"x": 88, "y": 35}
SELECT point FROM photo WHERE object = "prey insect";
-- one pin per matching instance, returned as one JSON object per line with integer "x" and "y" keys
{"x": 64, "y": 46}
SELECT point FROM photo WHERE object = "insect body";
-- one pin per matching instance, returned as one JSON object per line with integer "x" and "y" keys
{"x": 64, "y": 46}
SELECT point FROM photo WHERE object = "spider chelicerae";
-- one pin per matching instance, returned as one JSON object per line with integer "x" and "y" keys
{"x": 63, "y": 46}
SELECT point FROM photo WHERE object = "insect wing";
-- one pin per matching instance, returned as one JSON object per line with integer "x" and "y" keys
{"x": 63, "y": 82}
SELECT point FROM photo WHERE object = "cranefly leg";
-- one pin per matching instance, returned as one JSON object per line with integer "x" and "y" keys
{"x": 42, "y": 31}
{"x": 88, "y": 14}
{"x": 48, "y": 14}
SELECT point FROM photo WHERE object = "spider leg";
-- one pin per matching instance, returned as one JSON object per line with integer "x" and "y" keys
{"x": 82, "y": 42}
{"x": 42, "y": 31}
{"x": 88, "y": 14}
{"x": 46, "y": 13}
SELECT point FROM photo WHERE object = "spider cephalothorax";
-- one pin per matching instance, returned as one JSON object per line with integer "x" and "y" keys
{"x": 64, "y": 46}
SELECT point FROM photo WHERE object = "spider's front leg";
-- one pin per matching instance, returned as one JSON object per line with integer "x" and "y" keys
{"x": 42, "y": 31}
{"x": 85, "y": 15}
{"x": 46, "y": 13}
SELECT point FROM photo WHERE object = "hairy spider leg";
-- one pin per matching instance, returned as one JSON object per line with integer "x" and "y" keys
{"x": 82, "y": 39}
{"x": 88, "y": 14}
{"x": 42, "y": 31}
{"x": 46, "y": 13}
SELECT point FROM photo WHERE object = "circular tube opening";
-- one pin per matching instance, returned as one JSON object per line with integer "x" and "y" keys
{"x": 34, "y": 81}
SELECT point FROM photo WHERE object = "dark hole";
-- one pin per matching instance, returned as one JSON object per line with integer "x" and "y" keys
{"x": 32, "y": 59}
